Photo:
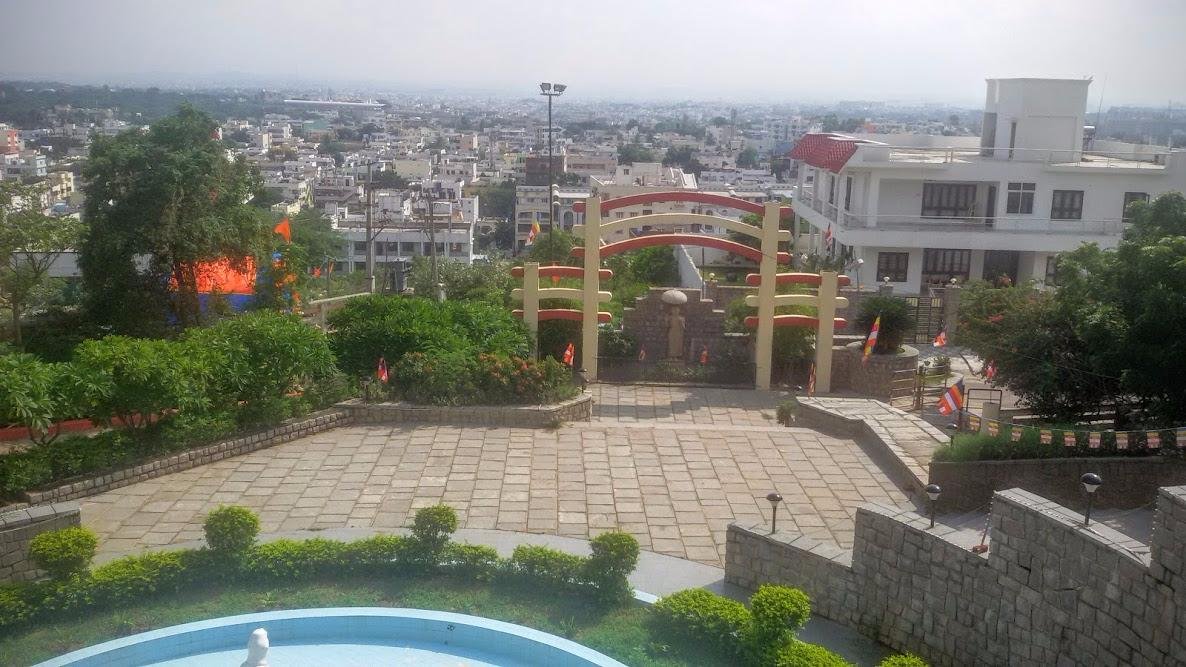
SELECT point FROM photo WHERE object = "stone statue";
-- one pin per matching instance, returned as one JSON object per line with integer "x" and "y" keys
{"x": 257, "y": 649}
{"x": 675, "y": 322}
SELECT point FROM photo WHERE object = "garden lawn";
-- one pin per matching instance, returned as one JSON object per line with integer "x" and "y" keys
{"x": 621, "y": 632}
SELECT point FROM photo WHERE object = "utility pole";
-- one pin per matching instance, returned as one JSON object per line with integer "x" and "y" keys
{"x": 370, "y": 233}
{"x": 551, "y": 90}
{"x": 432, "y": 239}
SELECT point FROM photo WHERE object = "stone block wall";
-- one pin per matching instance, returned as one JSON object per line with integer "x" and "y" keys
{"x": 647, "y": 322}
{"x": 19, "y": 527}
{"x": 512, "y": 416}
{"x": 1129, "y": 482}
{"x": 1049, "y": 591}
{"x": 874, "y": 378}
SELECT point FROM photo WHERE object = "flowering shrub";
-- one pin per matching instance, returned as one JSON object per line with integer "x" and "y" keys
{"x": 457, "y": 378}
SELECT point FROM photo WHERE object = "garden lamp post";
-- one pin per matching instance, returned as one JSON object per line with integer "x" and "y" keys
{"x": 551, "y": 90}
{"x": 774, "y": 499}
{"x": 933, "y": 491}
{"x": 1090, "y": 482}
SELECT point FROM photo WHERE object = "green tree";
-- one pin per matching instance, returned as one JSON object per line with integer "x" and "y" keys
{"x": 553, "y": 247}
{"x": 685, "y": 158}
{"x": 334, "y": 149}
{"x": 497, "y": 200}
{"x": 159, "y": 204}
{"x": 315, "y": 233}
{"x": 631, "y": 153}
{"x": 30, "y": 243}
{"x": 747, "y": 158}
{"x": 389, "y": 179}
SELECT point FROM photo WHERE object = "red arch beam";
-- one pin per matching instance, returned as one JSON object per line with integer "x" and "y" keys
{"x": 562, "y": 272}
{"x": 569, "y": 314}
{"x": 809, "y": 279}
{"x": 682, "y": 196}
{"x": 805, "y": 321}
{"x": 650, "y": 240}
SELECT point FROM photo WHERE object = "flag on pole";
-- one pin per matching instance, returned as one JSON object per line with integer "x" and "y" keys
{"x": 642, "y": 354}
{"x": 953, "y": 399}
{"x": 828, "y": 236}
{"x": 1121, "y": 440}
{"x": 317, "y": 272}
{"x": 871, "y": 341}
{"x": 811, "y": 381}
{"x": 990, "y": 370}
{"x": 283, "y": 229}
{"x": 704, "y": 356}
{"x": 1017, "y": 431}
{"x": 533, "y": 233}
{"x": 1153, "y": 440}
{"x": 381, "y": 372}
{"x": 569, "y": 353}
{"x": 1093, "y": 440}
{"x": 941, "y": 338}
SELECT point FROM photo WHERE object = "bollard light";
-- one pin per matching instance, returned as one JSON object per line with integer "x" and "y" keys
{"x": 933, "y": 491}
{"x": 1090, "y": 482}
{"x": 774, "y": 499}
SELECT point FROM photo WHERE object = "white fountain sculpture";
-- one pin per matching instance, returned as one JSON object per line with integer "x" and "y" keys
{"x": 257, "y": 649}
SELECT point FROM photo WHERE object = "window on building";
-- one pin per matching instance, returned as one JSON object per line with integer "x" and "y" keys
{"x": 647, "y": 211}
{"x": 831, "y": 189}
{"x": 1129, "y": 198}
{"x": 1051, "y": 270}
{"x": 407, "y": 248}
{"x": 1066, "y": 205}
{"x": 360, "y": 247}
{"x": 1021, "y": 198}
{"x": 618, "y": 215}
{"x": 940, "y": 265}
{"x": 848, "y": 193}
{"x": 948, "y": 200}
{"x": 894, "y": 265}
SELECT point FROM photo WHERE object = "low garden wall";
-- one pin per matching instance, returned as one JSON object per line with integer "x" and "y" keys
{"x": 19, "y": 527}
{"x": 1129, "y": 482}
{"x": 511, "y": 416}
{"x": 285, "y": 432}
{"x": 1049, "y": 590}
{"x": 873, "y": 378}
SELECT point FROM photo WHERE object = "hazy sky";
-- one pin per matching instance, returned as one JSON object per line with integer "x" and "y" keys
{"x": 744, "y": 50}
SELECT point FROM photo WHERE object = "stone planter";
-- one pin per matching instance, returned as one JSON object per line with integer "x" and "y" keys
{"x": 513, "y": 416}
{"x": 874, "y": 378}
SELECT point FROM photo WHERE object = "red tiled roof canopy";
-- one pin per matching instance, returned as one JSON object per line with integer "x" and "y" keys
{"x": 825, "y": 150}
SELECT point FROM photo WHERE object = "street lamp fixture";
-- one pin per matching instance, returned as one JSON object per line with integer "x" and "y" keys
{"x": 774, "y": 499}
{"x": 1091, "y": 482}
{"x": 933, "y": 491}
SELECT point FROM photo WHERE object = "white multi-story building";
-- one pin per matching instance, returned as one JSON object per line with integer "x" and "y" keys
{"x": 924, "y": 210}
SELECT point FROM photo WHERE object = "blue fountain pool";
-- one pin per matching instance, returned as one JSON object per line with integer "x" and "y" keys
{"x": 343, "y": 636}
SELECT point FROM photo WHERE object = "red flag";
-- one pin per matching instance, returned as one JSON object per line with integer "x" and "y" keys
{"x": 828, "y": 236}
{"x": 811, "y": 381}
{"x": 941, "y": 338}
{"x": 317, "y": 272}
{"x": 642, "y": 354}
{"x": 704, "y": 356}
{"x": 569, "y": 353}
{"x": 381, "y": 373}
{"x": 953, "y": 399}
{"x": 990, "y": 370}
{"x": 871, "y": 341}
{"x": 283, "y": 229}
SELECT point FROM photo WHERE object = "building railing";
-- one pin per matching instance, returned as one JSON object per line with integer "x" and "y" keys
{"x": 1011, "y": 225}
{"x": 1155, "y": 157}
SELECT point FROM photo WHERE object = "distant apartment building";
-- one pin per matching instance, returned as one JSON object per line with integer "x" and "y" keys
{"x": 10, "y": 140}
{"x": 591, "y": 163}
{"x": 535, "y": 168}
{"x": 924, "y": 210}
{"x": 24, "y": 165}
{"x": 531, "y": 207}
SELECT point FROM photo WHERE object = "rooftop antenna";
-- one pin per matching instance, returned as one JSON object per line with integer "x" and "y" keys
{"x": 1099, "y": 119}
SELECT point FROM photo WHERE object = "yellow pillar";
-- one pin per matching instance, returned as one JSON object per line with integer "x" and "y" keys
{"x": 828, "y": 288}
{"x": 531, "y": 304}
{"x": 767, "y": 289}
{"x": 590, "y": 287}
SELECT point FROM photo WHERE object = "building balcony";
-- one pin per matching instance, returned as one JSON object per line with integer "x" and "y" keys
{"x": 1012, "y": 225}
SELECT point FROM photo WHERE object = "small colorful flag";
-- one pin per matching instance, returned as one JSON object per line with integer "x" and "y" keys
{"x": 1180, "y": 437}
{"x": 828, "y": 236}
{"x": 1153, "y": 440}
{"x": 642, "y": 354}
{"x": 1093, "y": 440}
{"x": 317, "y": 272}
{"x": 569, "y": 353}
{"x": 1045, "y": 436}
{"x": 994, "y": 428}
{"x": 531, "y": 235}
{"x": 1016, "y": 435}
{"x": 811, "y": 381}
{"x": 1068, "y": 438}
{"x": 283, "y": 229}
{"x": 704, "y": 356}
{"x": 973, "y": 422}
{"x": 990, "y": 370}
{"x": 871, "y": 341}
{"x": 1121, "y": 440}
{"x": 953, "y": 399}
{"x": 381, "y": 373}
{"x": 941, "y": 338}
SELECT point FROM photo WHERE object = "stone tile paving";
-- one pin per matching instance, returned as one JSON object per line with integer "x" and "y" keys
{"x": 675, "y": 480}
{"x": 908, "y": 431}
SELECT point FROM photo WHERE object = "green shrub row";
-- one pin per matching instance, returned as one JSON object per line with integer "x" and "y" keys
{"x": 232, "y": 554}
{"x": 459, "y": 378}
{"x": 985, "y": 447}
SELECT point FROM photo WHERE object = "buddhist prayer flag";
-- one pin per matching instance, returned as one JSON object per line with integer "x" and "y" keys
{"x": 381, "y": 372}
{"x": 569, "y": 353}
{"x": 1121, "y": 440}
{"x": 1180, "y": 437}
{"x": 953, "y": 399}
{"x": 1016, "y": 435}
{"x": 1153, "y": 439}
{"x": 994, "y": 428}
{"x": 642, "y": 354}
{"x": 704, "y": 356}
{"x": 828, "y": 236}
{"x": 941, "y": 338}
{"x": 990, "y": 370}
{"x": 871, "y": 341}
{"x": 811, "y": 381}
{"x": 973, "y": 423}
{"x": 283, "y": 229}
{"x": 1093, "y": 440}
{"x": 531, "y": 235}
{"x": 1045, "y": 436}
{"x": 1068, "y": 438}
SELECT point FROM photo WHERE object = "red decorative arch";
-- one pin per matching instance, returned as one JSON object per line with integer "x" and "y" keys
{"x": 683, "y": 196}
{"x": 650, "y": 240}
{"x": 804, "y": 321}
{"x": 809, "y": 279}
{"x": 562, "y": 272}
{"x": 569, "y": 314}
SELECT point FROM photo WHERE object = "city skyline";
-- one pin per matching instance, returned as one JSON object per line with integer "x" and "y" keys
{"x": 913, "y": 52}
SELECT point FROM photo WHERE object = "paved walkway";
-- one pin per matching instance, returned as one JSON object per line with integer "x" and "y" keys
{"x": 675, "y": 482}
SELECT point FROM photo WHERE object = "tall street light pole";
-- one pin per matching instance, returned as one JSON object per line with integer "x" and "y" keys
{"x": 551, "y": 90}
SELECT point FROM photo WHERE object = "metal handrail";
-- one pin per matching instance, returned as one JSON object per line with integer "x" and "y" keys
{"x": 1106, "y": 226}
{"x": 1050, "y": 156}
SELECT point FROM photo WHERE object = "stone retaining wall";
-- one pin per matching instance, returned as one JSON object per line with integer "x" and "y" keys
{"x": 511, "y": 416}
{"x": 873, "y": 378}
{"x": 290, "y": 430}
{"x": 877, "y": 442}
{"x": 1128, "y": 482}
{"x": 1049, "y": 591}
{"x": 19, "y": 527}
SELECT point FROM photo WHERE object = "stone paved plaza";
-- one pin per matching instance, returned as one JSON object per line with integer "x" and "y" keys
{"x": 673, "y": 466}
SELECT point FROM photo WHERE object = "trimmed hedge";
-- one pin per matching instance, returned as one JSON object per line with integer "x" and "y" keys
{"x": 903, "y": 660}
{"x": 429, "y": 550}
{"x": 65, "y": 552}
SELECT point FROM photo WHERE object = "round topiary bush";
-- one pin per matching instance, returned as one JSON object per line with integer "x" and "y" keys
{"x": 231, "y": 529}
{"x": 895, "y": 322}
{"x": 614, "y": 555}
{"x": 903, "y": 660}
{"x": 778, "y": 611}
{"x": 64, "y": 552}
{"x": 802, "y": 654}
{"x": 432, "y": 527}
